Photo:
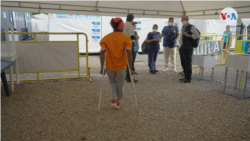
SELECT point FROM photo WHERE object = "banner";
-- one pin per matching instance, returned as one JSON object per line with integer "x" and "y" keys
{"x": 209, "y": 48}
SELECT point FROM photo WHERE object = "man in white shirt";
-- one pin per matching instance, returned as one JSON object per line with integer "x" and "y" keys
{"x": 186, "y": 50}
{"x": 129, "y": 30}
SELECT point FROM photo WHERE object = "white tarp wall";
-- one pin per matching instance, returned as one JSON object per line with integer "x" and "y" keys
{"x": 40, "y": 23}
{"x": 97, "y": 27}
{"x": 91, "y": 25}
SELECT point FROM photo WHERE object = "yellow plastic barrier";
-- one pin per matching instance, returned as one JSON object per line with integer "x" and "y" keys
{"x": 238, "y": 49}
{"x": 35, "y": 41}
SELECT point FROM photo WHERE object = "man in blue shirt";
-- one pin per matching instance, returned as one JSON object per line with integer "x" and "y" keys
{"x": 171, "y": 34}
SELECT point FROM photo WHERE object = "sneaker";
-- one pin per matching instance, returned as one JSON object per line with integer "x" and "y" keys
{"x": 118, "y": 105}
{"x": 113, "y": 103}
{"x": 135, "y": 72}
{"x": 174, "y": 70}
{"x": 165, "y": 69}
{"x": 155, "y": 70}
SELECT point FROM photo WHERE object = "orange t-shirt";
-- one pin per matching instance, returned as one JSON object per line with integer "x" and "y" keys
{"x": 114, "y": 43}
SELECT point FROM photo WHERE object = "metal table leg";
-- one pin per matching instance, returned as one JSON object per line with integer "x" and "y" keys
{"x": 17, "y": 72}
{"x": 236, "y": 79}
{"x": 11, "y": 79}
{"x": 225, "y": 80}
{"x": 212, "y": 73}
{"x": 245, "y": 85}
{"x": 202, "y": 73}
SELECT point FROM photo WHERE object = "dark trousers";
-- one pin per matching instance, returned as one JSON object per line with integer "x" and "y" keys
{"x": 133, "y": 55}
{"x": 186, "y": 61}
{"x": 134, "y": 59}
{"x": 152, "y": 57}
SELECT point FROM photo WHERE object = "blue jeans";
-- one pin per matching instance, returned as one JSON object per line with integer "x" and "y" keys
{"x": 152, "y": 57}
{"x": 135, "y": 52}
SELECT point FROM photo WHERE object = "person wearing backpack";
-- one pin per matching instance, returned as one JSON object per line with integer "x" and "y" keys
{"x": 171, "y": 34}
{"x": 189, "y": 34}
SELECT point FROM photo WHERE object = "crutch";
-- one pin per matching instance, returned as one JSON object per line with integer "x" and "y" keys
{"x": 100, "y": 98}
{"x": 132, "y": 80}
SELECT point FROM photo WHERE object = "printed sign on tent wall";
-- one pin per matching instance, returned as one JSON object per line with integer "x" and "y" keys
{"x": 230, "y": 17}
{"x": 96, "y": 28}
{"x": 138, "y": 25}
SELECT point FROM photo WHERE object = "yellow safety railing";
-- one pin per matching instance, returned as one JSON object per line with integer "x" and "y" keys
{"x": 238, "y": 49}
{"x": 56, "y": 33}
{"x": 221, "y": 55}
{"x": 209, "y": 33}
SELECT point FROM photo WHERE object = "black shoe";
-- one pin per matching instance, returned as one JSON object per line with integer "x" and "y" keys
{"x": 181, "y": 72}
{"x": 153, "y": 72}
{"x": 186, "y": 81}
{"x": 134, "y": 80}
{"x": 135, "y": 72}
{"x": 182, "y": 79}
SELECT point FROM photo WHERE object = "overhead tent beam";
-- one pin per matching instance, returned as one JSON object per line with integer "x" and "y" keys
{"x": 184, "y": 12}
{"x": 91, "y": 10}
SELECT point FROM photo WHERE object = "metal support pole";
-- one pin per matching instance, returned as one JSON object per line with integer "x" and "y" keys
{"x": 212, "y": 73}
{"x": 225, "y": 79}
{"x": 236, "y": 79}
{"x": 245, "y": 85}
{"x": 202, "y": 73}
{"x": 241, "y": 77}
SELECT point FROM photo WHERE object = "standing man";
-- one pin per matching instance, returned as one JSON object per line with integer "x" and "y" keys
{"x": 136, "y": 48}
{"x": 171, "y": 34}
{"x": 129, "y": 30}
{"x": 186, "y": 49}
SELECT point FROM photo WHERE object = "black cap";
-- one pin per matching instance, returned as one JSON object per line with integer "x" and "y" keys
{"x": 130, "y": 16}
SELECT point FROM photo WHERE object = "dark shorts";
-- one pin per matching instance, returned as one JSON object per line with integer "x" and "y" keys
{"x": 225, "y": 44}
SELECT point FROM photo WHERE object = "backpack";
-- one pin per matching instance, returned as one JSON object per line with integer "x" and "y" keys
{"x": 195, "y": 43}
{"x": 144, "y": 46}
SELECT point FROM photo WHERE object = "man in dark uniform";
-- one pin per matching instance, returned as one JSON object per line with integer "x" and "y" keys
{"x": 186, "y": 49}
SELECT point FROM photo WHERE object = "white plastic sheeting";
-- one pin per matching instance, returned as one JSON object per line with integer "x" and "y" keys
{"x": 40, "y": 23}
{"x": 143, "y": 9}
{"x": 46, "y": 56}
{"x": 245, "y": 22}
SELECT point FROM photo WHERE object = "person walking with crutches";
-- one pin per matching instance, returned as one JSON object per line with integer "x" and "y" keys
{"x": 116, "y": 50}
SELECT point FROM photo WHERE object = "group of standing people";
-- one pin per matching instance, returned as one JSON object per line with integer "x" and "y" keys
{"x": 121, "y": 47}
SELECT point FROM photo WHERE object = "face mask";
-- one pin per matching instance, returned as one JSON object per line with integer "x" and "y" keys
{"x": 184, "y": 22}
{"x": 134, "y": 27}
{"x": 170, "y": 24}
{"x": 155, "y": 30}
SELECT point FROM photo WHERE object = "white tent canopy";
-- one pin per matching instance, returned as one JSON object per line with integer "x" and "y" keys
{"x": 143, "y": 9}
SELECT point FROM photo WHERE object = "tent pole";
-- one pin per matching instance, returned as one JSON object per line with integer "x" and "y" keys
{"x": 184, "y": 12}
